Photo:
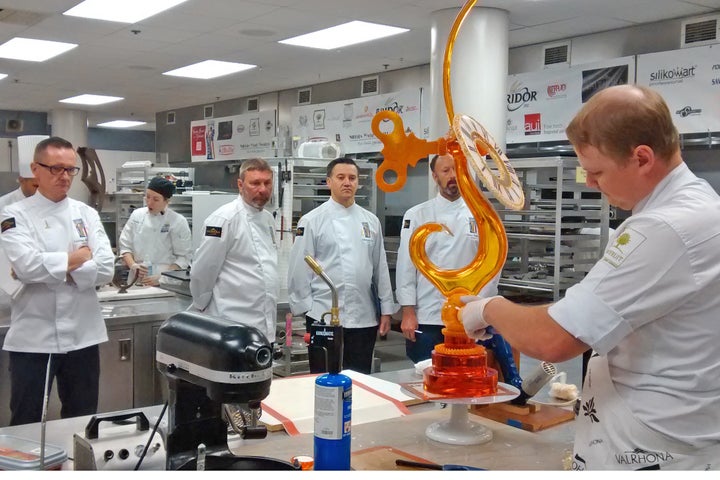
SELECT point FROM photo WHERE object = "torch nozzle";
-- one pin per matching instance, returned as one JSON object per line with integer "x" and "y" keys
{"x": 334, "y": 312}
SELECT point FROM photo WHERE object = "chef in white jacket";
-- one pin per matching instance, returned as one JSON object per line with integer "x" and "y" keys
{"x": 347, "y": 241}
{"x": 234, "y": 273}
{"x": 421, "y": 301}
{"x": 156, "y": 238}
{"x": 58, "y": 249}
{"x": 649, "y": 308}
{"x": 28, "y": 183}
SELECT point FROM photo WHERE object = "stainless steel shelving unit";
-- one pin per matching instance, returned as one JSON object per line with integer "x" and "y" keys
{"x": 554, "y": 241}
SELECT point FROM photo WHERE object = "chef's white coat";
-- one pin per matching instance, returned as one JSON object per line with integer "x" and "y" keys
{"x": 159, "y": 239}
{"x": 12, "y": 197}
{"x": 651, "y": 305}
{"x": 55, "y": 311}
{"x": 444, "y": 250}
{"x": 348, "y": 244}
{"x": 234, "y": 270}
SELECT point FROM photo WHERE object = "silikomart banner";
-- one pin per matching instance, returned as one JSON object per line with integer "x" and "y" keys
{"x": 541, "y": 104}
{"x": 233, "y": 138}
{"x": 347, "y": 122}
{"x": 689, "y": 80}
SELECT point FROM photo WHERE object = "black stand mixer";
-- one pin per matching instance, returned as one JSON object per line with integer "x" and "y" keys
{"x": 210, "y": 364}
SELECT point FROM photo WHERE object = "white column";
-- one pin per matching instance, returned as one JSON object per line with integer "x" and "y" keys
{"x": 72, "y": 126}
{"x": 478, "y": 70}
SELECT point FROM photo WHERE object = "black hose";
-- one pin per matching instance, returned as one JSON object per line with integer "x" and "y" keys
{"x": 152, "y": 434}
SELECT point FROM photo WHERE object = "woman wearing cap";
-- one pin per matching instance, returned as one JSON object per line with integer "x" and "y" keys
{"x": 155, "y": 235}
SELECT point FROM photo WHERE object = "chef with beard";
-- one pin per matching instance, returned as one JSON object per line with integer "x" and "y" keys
{"x": 155, "y": 238}
{"x": 235, "y": 267}
{"x": 421, "y": 301}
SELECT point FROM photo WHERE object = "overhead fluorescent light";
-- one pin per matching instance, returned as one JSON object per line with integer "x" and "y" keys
{"x": 89, "y": 99}
{"x": 121, "y": 124}
{"x": 33, "y": 50}
{"x": 209, "y": 69}
{"x": 3, "y": 75}
{"x": 126, "y": 11}
{"x": 343, "y": 35}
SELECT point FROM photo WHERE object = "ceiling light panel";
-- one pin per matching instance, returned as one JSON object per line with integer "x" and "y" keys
{"x": 33, "y": 50}
{"x": 125, "y": 11}
{"x": 89, "y": 99}
{"x": 350, "y": 33}
{"x": 121, "y": 124}
{"x": 209, "y": 69}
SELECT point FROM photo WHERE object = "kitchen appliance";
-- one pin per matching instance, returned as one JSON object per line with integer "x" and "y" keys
{"x": 118, "y": 446}
{"x": 209, "y": 362}
{"x": 319, "y": 148}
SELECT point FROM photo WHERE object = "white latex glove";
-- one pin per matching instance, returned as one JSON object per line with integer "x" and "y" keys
{"x": 471, "y": 316}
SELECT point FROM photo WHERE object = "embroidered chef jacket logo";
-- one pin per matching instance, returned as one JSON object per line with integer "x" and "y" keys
{"x": 165, "y": 228}
{"x": 213, "y": 232}
{"x": 366, "y": 230}
{"x": 406, "y": 224}
{"x": 80, "y": 227}
{"x": 622, "y": 246}
{"x": 473, "y": 225}
{"x": 589, "y": 410}
{"x": 7, "y": 224}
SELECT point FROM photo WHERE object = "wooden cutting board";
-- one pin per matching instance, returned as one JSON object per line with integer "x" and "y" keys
{"x": 382, "y": 458}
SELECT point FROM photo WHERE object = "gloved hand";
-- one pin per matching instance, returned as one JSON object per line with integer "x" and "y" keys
{"x": 151, "y": 280}
{"x": 471, "y": 316}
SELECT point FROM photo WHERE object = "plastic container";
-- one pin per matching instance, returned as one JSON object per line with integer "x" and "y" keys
{"x": 22, "y": 454}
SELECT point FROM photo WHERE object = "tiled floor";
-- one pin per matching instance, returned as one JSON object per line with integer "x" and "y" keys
{"x": 391, "y": 353}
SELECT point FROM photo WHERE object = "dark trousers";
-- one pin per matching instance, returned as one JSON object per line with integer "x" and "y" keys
{"x": 78, "y": 378}
{"x": 358, "y": 346}
{"x": 421, "y": 349}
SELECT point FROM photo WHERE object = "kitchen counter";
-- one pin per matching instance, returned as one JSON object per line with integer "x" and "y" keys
{"x": 118, "y": 311}
{"x": 510, "y": 449}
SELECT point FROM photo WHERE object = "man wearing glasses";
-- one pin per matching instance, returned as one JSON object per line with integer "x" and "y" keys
{"x": 59, "y": 251}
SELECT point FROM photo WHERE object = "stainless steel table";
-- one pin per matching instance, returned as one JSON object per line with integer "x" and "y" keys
{"x": 510, "y": 448}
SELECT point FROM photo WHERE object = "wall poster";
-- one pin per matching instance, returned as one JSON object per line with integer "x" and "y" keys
{"x": 233, "y": 138}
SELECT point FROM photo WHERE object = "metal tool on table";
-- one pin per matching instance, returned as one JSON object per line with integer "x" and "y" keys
{"x": 433, "y": 466}
{"x": 209, "y": 362}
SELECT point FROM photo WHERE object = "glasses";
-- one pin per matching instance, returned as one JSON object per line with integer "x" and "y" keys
{"x": 57, "y": 169}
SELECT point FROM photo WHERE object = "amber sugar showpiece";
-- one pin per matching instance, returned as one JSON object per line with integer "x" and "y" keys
{"x": 459, "y": 366}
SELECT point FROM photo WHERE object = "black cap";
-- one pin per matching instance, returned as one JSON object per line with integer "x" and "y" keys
{"x": 162, "y": 186}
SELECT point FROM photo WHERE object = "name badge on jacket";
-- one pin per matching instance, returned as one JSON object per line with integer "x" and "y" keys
{"x": 80, "y": 228}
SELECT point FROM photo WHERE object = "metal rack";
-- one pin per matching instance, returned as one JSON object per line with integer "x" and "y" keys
{"x": 554, "y": 241}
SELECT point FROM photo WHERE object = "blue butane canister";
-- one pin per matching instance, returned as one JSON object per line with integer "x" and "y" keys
{"x": 333, "y": 401}
{"x": 333, "y": 390}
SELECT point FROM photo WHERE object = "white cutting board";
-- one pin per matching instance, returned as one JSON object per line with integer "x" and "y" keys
{"x": 108, "y": 294}
{"x": 292, "y": 399}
